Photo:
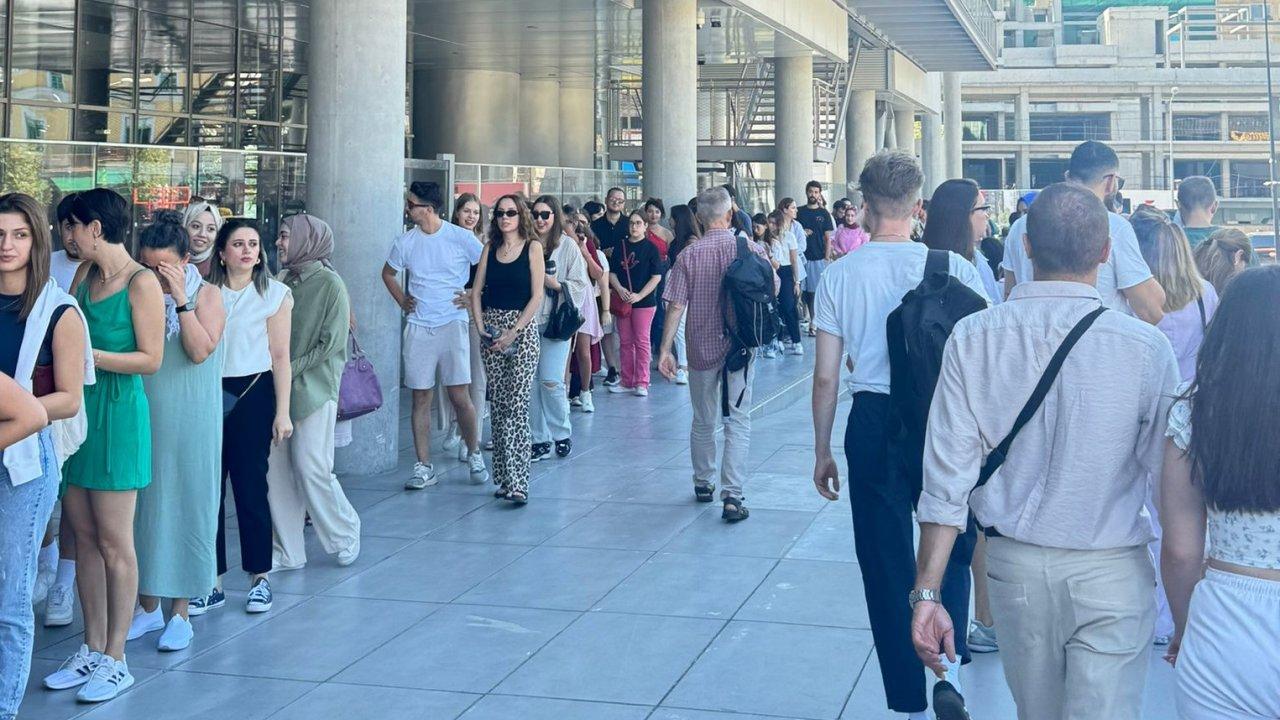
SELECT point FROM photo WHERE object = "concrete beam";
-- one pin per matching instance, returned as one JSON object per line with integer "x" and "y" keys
{"x": 820, "y": 26}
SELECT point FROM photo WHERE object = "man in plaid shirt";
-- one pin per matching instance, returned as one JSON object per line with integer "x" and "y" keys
{"x": 695, "y": 283}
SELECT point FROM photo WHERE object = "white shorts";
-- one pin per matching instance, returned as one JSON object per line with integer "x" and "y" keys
{"x": 443, "y": 351}
{"x": 813, "y": 274}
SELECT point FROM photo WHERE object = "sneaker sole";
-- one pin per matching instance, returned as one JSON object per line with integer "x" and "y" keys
{"x": 58, "y": 622}
{"x": 479, "y": 478}
{"x": 416, "y": 486}
{"x": 197, "y": 612}
{"x": 66, "y": 686}
{"x": 124, "y": 685}
{"x": 983, "y": 648}
{"x": 131, "y": 636}
{"x": 256, "y": 609}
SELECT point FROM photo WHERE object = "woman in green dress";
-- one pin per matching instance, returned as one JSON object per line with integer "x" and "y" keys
{"x": 124, "y": 307}
{"x": 177, "y": 516}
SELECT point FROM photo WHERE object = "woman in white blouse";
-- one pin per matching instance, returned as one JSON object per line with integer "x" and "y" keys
{"x": 256, "y": 378}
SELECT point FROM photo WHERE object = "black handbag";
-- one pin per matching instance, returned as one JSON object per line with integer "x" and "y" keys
{"x": 564, "y": 321}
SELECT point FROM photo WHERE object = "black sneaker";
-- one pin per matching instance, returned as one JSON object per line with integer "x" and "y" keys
{"x": 612, "y": 378}
{"x": 564, "y": 447}
{"x": 539, "y": 451}
{"x": 948, "y": 703}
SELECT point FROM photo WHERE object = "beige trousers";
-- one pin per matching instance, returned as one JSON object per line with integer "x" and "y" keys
{"x": 300, "y": 479}
{"x": 1075, "y": 628}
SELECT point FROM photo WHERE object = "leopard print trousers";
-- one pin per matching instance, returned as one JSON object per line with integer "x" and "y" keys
{"x": 510, "y": 380}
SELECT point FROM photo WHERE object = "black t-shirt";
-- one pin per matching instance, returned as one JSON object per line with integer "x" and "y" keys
{"x": 816, "y": 222}
{"x": 634, "y": 263}
{"x": 610, "y": 234}
{"x": 12, "y": 330}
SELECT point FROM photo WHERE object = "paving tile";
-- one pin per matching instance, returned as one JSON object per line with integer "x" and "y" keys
{"x": 830, "y": 537}
{"x": 661, "y": 486}
{"x": 810, "y": 592}
{"x": 688, "y": 586}
{"x": 505, "y": 523}
{"x": 610, "y": 657}
{"x": 779, "y": 489}
{"x": 557, "y": 578}
{"x": 41, "y": 704}
{"x": 322, "y": 571}
{"x": 627, "y": 527}
{"x": 465, "y": 648}
{"x": 666, "y": 713}
{"x": 418, "y": 513}
{"x": 429, "y": 571}
{"x": 333, "y": 701}
{"x": 197, "y": 696}
{"x": 313, "y": 641}
{"x": 767, "y": 533}
{"x": 506, "y": 707}
{"x": 774, "y": 669}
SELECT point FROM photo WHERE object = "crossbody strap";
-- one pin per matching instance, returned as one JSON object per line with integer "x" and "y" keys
{"x": 1204, "y": 321}
{"x": 997, "y": 456}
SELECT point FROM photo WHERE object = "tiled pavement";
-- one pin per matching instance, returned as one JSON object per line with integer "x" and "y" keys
{"x": 611, "y": 596}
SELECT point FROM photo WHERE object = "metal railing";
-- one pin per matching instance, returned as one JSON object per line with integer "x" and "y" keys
{"x": 1192, "y": 25}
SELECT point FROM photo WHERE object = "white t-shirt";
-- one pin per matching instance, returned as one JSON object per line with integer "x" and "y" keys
{"x": 1123, "y": 269}
{"x": 857, "y": 293}
{"x": 781, "y": 248}
{"x": 438, "y": 267}
{"x": 63, "y": 269}
{"x": 245, "y": 336}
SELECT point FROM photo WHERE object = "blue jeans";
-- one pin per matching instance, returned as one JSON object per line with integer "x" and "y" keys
{"x": 549, "y": 410}
{"x": 24, "y": 512}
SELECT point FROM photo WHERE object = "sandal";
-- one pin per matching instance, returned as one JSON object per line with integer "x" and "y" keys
{"x": 518, "y": 497}
{"x": 704, "y": 493}
{"x": 734, "y": 510}
{"x": 502, "y": 492}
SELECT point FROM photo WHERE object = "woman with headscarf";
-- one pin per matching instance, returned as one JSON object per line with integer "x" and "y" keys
{"x": 300, "y": 471}
{"x": 202, "y": 221}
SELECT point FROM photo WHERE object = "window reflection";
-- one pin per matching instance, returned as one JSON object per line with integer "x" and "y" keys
{"x": 43, "y": 51}
{"x": 261, "y": 16}
{"x": 293, "y": 82}
{"x": 35, "y": 122}
{"x": 106, "y": 38}
{"x": 259, "y": 68}
{"x": 297, "y": 20}
{"x": 99, "y": 126}
{"x": 162, "y": 130}
{"x": 162, "y": 67}
{"x": 213, "y": 133}
{"x": 213, "y": 67}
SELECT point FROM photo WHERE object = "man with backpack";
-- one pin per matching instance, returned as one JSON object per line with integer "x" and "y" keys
{"x": 720, "y": 349}
{"x": 851, "y": 311}
{"x": 1067, "y": 447}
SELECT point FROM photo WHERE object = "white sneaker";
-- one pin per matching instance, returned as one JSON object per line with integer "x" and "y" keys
{"x": 576, "y": 402}
{"x": 177, "y": 635}
{"x": 45, "y": 576}
{"x": 424, "y": 475}
{"x": 796, "y": 349}
{"x": 259, "y": 597}
{"x": 145, "y": 622}
{"x": 350, "y": 555}
{"x": 682, "y": 376}
{"x": 588, "y": 405}
{"x": 462, "y": 452}
{"x": 75, "y": 670}
{"x": 642, "y": 391}
{"x": 60, "y": 608}
{"x": 617, "y": 389}
{"x": 110, "y": 678}
{"x": 478, "y": 472}
{"x": 451, "y": 440}
{"x": 769, "y": 352}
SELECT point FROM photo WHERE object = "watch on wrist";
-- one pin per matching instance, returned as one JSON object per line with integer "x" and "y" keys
{"x": 918, "y": 596}
{"x": 188, "y": 307}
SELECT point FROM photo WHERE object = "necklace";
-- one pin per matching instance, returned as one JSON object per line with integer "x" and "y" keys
{"x": 104, "y": 278}
{"x": 890, "y": 237}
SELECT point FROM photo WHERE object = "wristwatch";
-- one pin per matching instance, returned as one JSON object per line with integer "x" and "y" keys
{"x": 918, "y": 596}
{"x": 186, "y": 308}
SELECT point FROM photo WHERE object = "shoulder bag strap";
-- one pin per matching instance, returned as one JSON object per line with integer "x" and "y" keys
{"x": 1204, "y": 321}
{"x": 997, "y": 456}
{"x": 937, "y": 261}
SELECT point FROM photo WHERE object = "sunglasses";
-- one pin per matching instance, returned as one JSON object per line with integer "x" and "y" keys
{"x": 411, "y": 204}
{"x": 506, "y": 213}
{"x": 542, "y": 215}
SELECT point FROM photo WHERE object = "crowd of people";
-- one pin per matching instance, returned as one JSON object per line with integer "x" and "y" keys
{"x": 142, "y": 376}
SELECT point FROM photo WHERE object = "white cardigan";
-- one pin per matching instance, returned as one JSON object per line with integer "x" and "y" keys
{"x": 571, "y": 273}
{"x": 22, "y": 459}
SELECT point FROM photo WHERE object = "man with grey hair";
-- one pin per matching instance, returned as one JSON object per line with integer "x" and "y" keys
{"x": 694, "y": 284}
{"x": 1197, "y": 204}
{"x": 853, "y": 303}
{"x": 1067, "y": 551}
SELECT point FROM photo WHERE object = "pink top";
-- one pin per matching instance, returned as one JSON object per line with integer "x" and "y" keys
{"x": 847, "y": 239}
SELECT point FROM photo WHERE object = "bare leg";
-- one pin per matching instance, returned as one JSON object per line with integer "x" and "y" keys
{"x": 113, "y": 515}
{"x": 91, "y": 576}
{"x": 421, "y": 421}
{"x": 148, "y": 603}
{"x": 981, "y": 602}
{"x": 179, "y": 608}
{"x": 612, "y": 355}
{"x": 66, "y": 538}
{"x": 468, "y": 427}
{"x": 583, "y": 353}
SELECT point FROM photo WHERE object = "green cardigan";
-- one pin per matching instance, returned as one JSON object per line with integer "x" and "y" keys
{"x": 317, "y": 337}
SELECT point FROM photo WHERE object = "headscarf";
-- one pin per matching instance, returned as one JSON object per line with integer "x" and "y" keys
{"x": 193, "y": 281}
{"x": 193, "y": 211}
{"x": 310, "y": 240}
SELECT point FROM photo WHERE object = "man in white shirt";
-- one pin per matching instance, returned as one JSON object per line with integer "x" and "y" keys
{"x": 1124, "y": 279}
{"x": 1070, "y": 577}
{"x": 64, "y": 263}
{"x": 853, "y": 302}
{"x": 436, "y": 256}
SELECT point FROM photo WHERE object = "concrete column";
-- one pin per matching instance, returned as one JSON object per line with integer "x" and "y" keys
{"x": 882, "y": 128}
{"x": 578, "y": 127}
{"x": 539, "y": 122}
{"x": 793, "y": 90}
{"x": 932, "y": 154}
{"x": 1225, "y": 190}
{"x": 355, "y": 178}
{"x": 670, "y": 94}
{"x": 719, "y": 116}
{"x": 477, "y": 124}
{"x": 952, "y": 135}
{"x": 860, "y": 132}
{"x": 840, "y": 169}
{"x": 1022, "y": 121}
{"x": 904, "y": 130}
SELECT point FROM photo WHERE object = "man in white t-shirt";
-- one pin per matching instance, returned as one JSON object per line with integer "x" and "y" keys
{"x": 436, "y": 257}
{"x": 853, "y": 302}
{"x": 1124, "y": 280}
{"x": 64, "y": 263}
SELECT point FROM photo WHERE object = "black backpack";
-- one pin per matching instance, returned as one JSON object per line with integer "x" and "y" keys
{"x": 917, "y": 331}
{"x": 750, "y": 306}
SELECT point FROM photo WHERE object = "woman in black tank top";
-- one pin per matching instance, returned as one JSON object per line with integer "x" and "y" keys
{"x": 504, "y": 311}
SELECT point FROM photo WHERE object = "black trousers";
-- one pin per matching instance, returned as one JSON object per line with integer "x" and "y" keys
{"x": 787, "y": 302}
{"x": 883, "y": 497}
{"x": 246, "y": 444}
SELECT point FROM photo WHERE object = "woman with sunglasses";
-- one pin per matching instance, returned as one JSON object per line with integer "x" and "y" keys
{"x": 511, "y": 268}
{"x": 958, "y": 214}
{"x": 635, "y": 273}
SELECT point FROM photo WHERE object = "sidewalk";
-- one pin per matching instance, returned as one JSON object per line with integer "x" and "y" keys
{"x": 611, "y": 596}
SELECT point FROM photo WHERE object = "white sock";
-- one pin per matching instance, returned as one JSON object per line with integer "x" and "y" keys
{"x": 953, "y": 672}
{"x": 49, "y": 554}
{"x": 66, "y": 573}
